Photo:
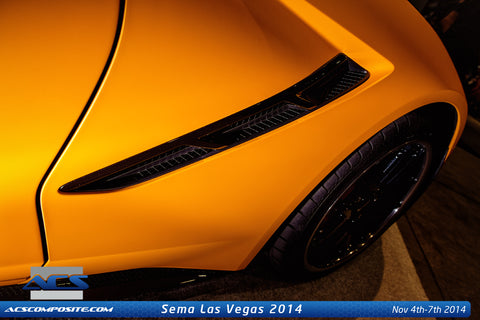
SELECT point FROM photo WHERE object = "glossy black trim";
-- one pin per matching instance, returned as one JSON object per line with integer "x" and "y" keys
{"x": 337, "y": 77}
{"x": 116, "y": 39}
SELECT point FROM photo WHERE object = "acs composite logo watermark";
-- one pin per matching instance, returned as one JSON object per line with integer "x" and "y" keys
{"x": 56, "y": 283}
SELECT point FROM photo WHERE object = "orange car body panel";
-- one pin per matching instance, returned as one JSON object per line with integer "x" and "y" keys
{"x": 181, "y": 65}
{"x": 51, "y": 57}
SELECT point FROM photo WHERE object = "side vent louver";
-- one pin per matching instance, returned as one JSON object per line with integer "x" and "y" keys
{"x": 331, "y": 81}
{"x": 150, "y": 168}
{"x": 256, "y": 124}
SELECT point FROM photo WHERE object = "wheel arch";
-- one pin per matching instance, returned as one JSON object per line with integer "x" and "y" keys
{"x": 448, "y": 127}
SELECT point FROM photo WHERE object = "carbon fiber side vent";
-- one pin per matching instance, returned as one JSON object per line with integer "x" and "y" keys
{"x": 256, "y": 124}
{"x": 335, "y": 84}
{"x": 334, "y": 79}
{"x": 149, "y": 168}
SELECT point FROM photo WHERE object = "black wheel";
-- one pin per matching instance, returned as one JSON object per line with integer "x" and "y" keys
{"x": 361, "y": 198}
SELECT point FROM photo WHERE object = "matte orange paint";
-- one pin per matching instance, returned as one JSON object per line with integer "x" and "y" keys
{"x": 51, "y": 56}
{"x": 183, "y": 64}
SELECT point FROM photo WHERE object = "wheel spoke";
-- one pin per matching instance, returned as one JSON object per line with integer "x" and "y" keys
{"x": 366, "y": 206}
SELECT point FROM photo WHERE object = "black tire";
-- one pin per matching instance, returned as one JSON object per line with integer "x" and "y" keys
{"x": 361, "y": 198}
